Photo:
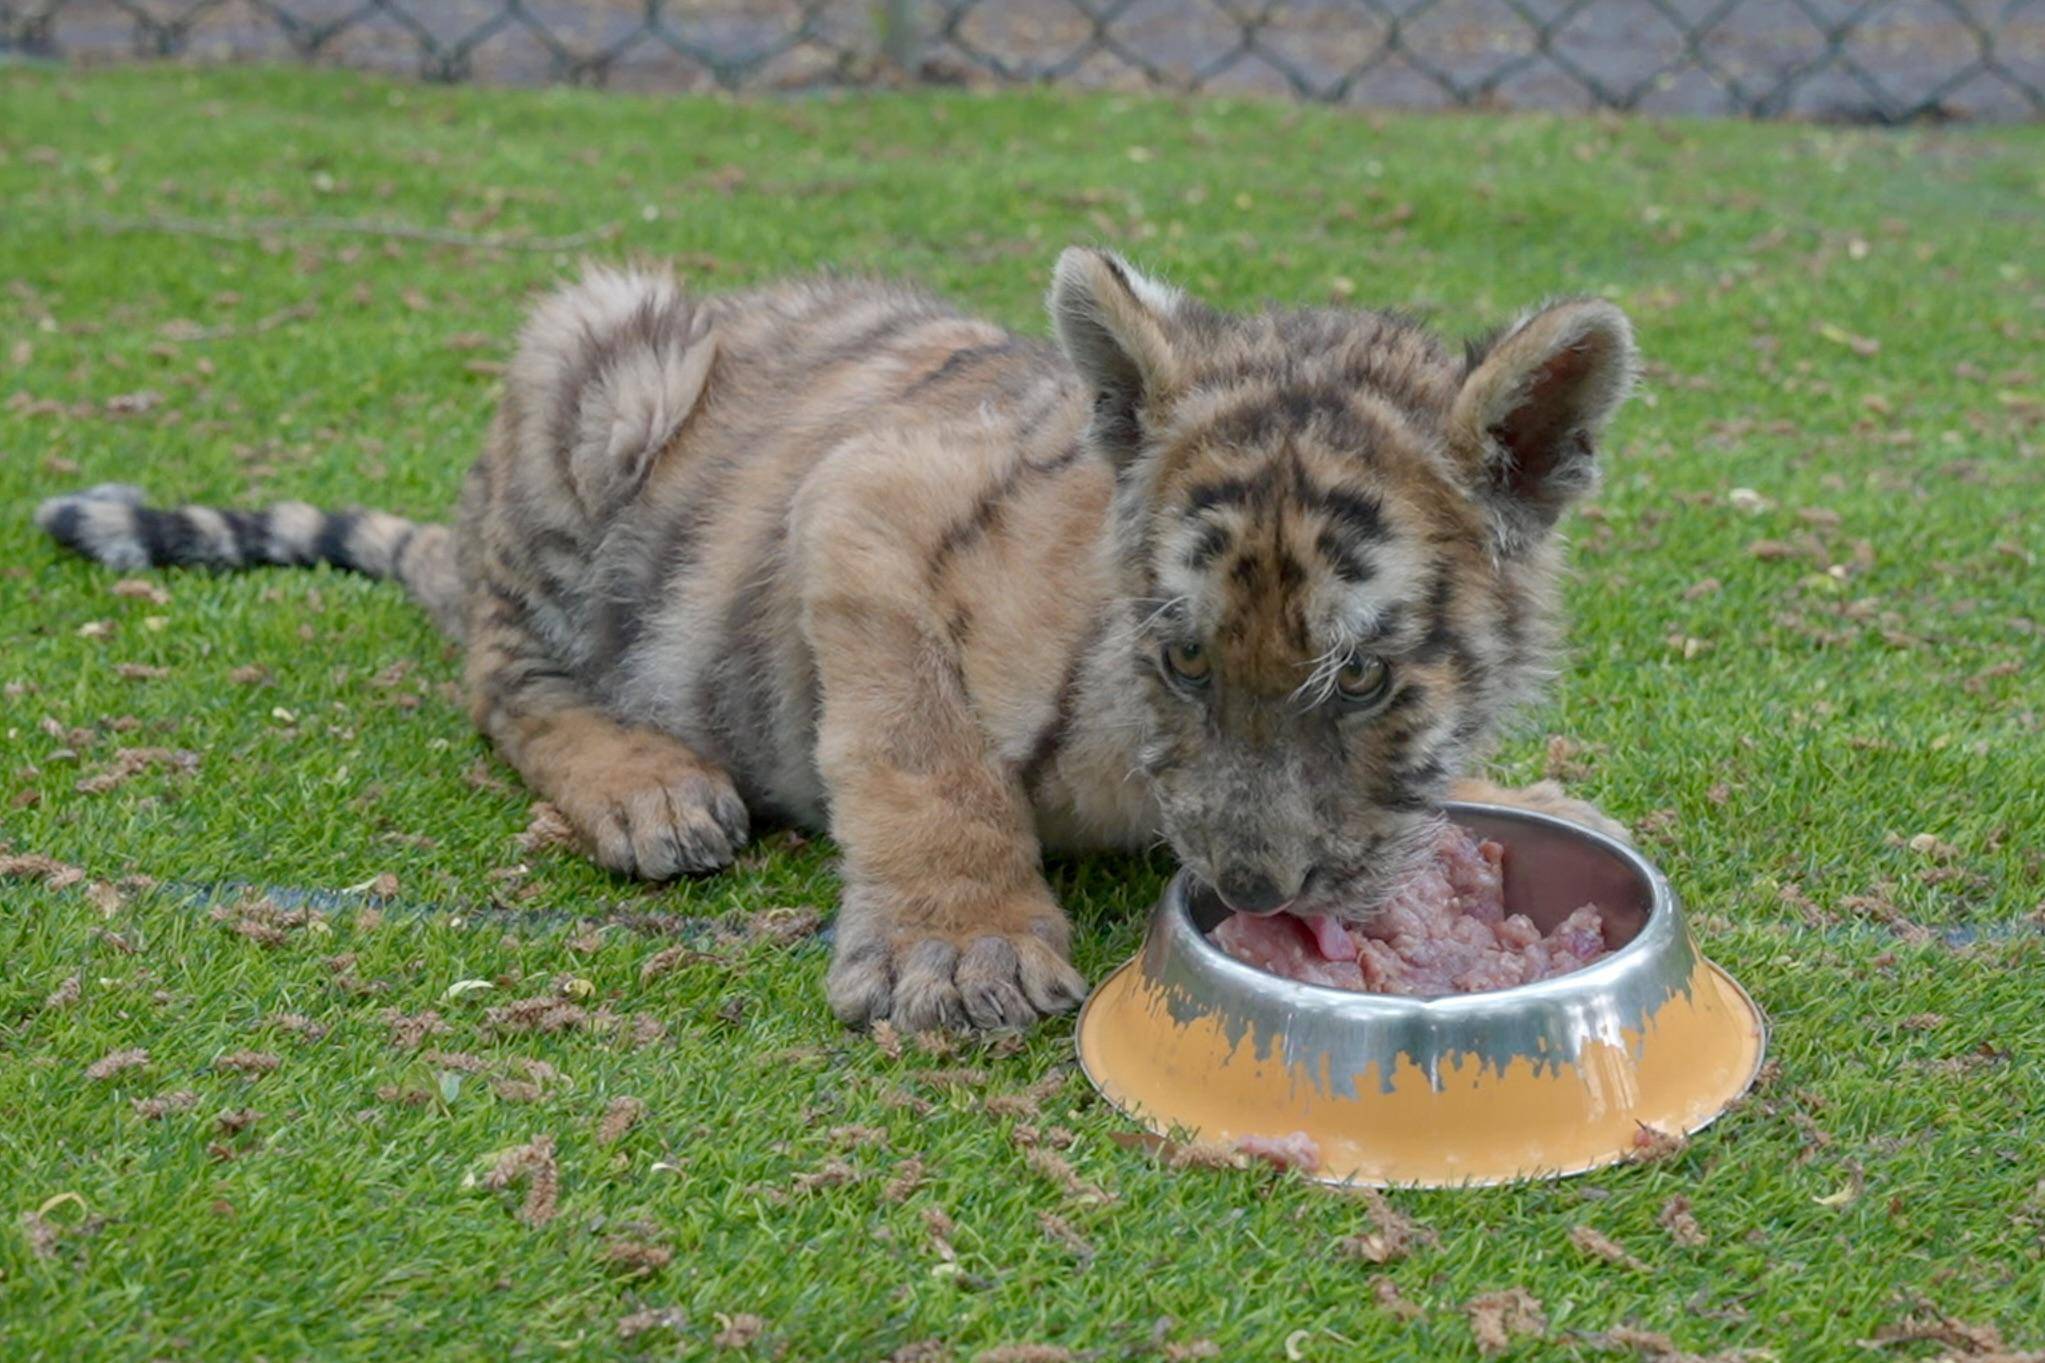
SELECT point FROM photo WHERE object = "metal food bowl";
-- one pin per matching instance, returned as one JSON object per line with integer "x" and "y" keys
{"x": 1541, "y": 1080}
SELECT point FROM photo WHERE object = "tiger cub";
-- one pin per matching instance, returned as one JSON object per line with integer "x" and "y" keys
{"x": 834, "y": 552}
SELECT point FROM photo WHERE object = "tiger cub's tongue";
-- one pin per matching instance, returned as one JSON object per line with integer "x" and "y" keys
{"x": 1330, "y": 937}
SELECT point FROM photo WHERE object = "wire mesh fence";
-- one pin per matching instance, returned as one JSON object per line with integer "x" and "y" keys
{"x": 1886, "y": 61}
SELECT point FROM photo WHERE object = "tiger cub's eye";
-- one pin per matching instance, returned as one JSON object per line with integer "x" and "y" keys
{"x": 1364, "y": 680}
{"x": 1189, "y": 663}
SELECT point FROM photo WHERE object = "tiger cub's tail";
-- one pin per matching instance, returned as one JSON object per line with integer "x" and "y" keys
{"x": 113, "y": 524}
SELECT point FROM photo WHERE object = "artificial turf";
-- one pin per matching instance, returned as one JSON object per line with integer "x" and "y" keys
{"x": 1816, "y": 697}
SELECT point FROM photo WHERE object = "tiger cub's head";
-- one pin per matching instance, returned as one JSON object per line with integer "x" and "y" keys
{"x": 1336, "y": 542}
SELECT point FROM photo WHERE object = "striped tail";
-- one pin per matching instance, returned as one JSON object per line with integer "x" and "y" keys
{"x": 112, "y": 524}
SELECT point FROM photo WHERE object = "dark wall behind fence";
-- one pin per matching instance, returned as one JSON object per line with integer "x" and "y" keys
{"x": 1884, "y": 61}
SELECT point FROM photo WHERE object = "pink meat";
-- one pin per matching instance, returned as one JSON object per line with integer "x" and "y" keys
{"x": 1445, "y": 931}
{"x": 1296, "y": 1151}
{"x": 1284, "y": 946}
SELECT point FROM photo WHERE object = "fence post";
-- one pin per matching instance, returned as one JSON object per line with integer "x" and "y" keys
{"x": 901, "y": 35}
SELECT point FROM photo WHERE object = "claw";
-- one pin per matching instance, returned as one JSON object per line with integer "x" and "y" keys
{"x": 992, "y": 981}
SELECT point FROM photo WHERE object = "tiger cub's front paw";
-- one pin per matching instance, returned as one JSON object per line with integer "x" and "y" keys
{"x": 655, "y": 812}
{"x": 1001, "y": 966}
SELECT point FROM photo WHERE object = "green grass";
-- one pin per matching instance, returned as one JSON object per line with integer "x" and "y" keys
{"x": 1781, "y": 737}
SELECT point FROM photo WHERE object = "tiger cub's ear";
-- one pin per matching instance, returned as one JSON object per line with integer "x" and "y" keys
{"x": 1116, "y": 326}
{"x": 1533, "y": 407}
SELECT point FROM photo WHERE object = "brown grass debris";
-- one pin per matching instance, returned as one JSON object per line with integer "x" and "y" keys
{"x": 832, "y": 1173}
{"x": 235, "y": 1122}
{"x": 115, "y": 1062}
{"x": 667, "y": 958}
{"x": 533, "y": 1163}
{"x": 299, "y": 1025}
{"x": 671, "y": 1318}
{"x": 1385, "y": 1292}
{"x": 957, "y": 1076}
{"x": 1593, "y": 1242}
{"x": 43, "y": 1235}
{"x": 1497, "y": 1318}
{"x": 1201, "y": 1155}
{"x": 1059, "y": 1170}
{"x": 129, "y": 763}
{"x": 909, "y": 1175}
{"x": 1060, "y": 1232}
{"x": 546, "y": 826}
{"x": 1676, "y": 1218}
{"x": 883, "y": 1033}
{"x": 409, "y": 1030}
{"x": 636, "y": 1258}
{"x": 248, "y": 1062}
{"x": 1393, "y": 1236}
{"x": 1972, "y": 1342}
{"x": 155, "y": 1109}
{"x": 739, "y": 1331}
{"x": 784, "y": 926}
{"x": 619, "y": 1116}
{"x": 543, "y": 1013}
{"x": 1651, "y": 1144}
{"x": 53, "y": 874}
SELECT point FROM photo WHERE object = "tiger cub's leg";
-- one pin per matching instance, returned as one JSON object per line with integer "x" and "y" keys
{"x": 643, "y": 802}
{"x": 945, "y": 919}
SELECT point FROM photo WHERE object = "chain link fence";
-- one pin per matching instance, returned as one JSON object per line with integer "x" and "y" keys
{"x": 1883, "y": 61}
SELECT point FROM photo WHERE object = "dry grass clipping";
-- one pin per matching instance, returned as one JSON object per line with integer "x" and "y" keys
{"x": 832, "y": 1173}
{"x": 129, "y": 763}
{"x": 247, "y": 1062}
{"x": 739, "y": 1331}
{"x": 654, "y": 1318}
{"x": 1394, "y": 1235}
{"x": 636, "y": 1258}
{"x": 64, "y": 995}
{"x": 535, "y": 1164}
{"x": 235, "y": 1122}
{"x": 1655, "y": 1347}
{"x": 116, "y": 1062}
{"x": 1598, "y": 1245}
{"x": 1060, "y": 1231}
{"x": 1059, "y": 1170}
{"x": 546, "y": 827}
{"x": 909, "y": 1175}
{"x": 1385, "y": 1292}
{"x": 1497, "y": 1318}
{"x": 887, "y": 1039}
{"x": 1651, "y": 1144}
{"x": 618, "y": 1118}
{"x": 154, "y": 1109}
{"x": 53, "y": 874}
{"x": 409, "y": 1030}
{"x": 1676, "y": 1218}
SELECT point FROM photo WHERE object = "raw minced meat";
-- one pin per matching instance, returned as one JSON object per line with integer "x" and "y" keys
{"x": 1445, "y": 931}
{"x": 1297, "y": 1150}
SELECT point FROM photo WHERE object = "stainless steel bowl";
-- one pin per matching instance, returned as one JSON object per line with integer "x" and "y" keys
{"x": 1554, "y": 1077}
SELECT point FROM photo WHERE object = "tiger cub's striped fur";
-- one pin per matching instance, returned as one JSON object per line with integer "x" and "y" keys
{"x": 834, "y": 552}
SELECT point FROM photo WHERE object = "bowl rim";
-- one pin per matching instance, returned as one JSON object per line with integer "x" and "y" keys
{"x": 1664, "y": 923}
